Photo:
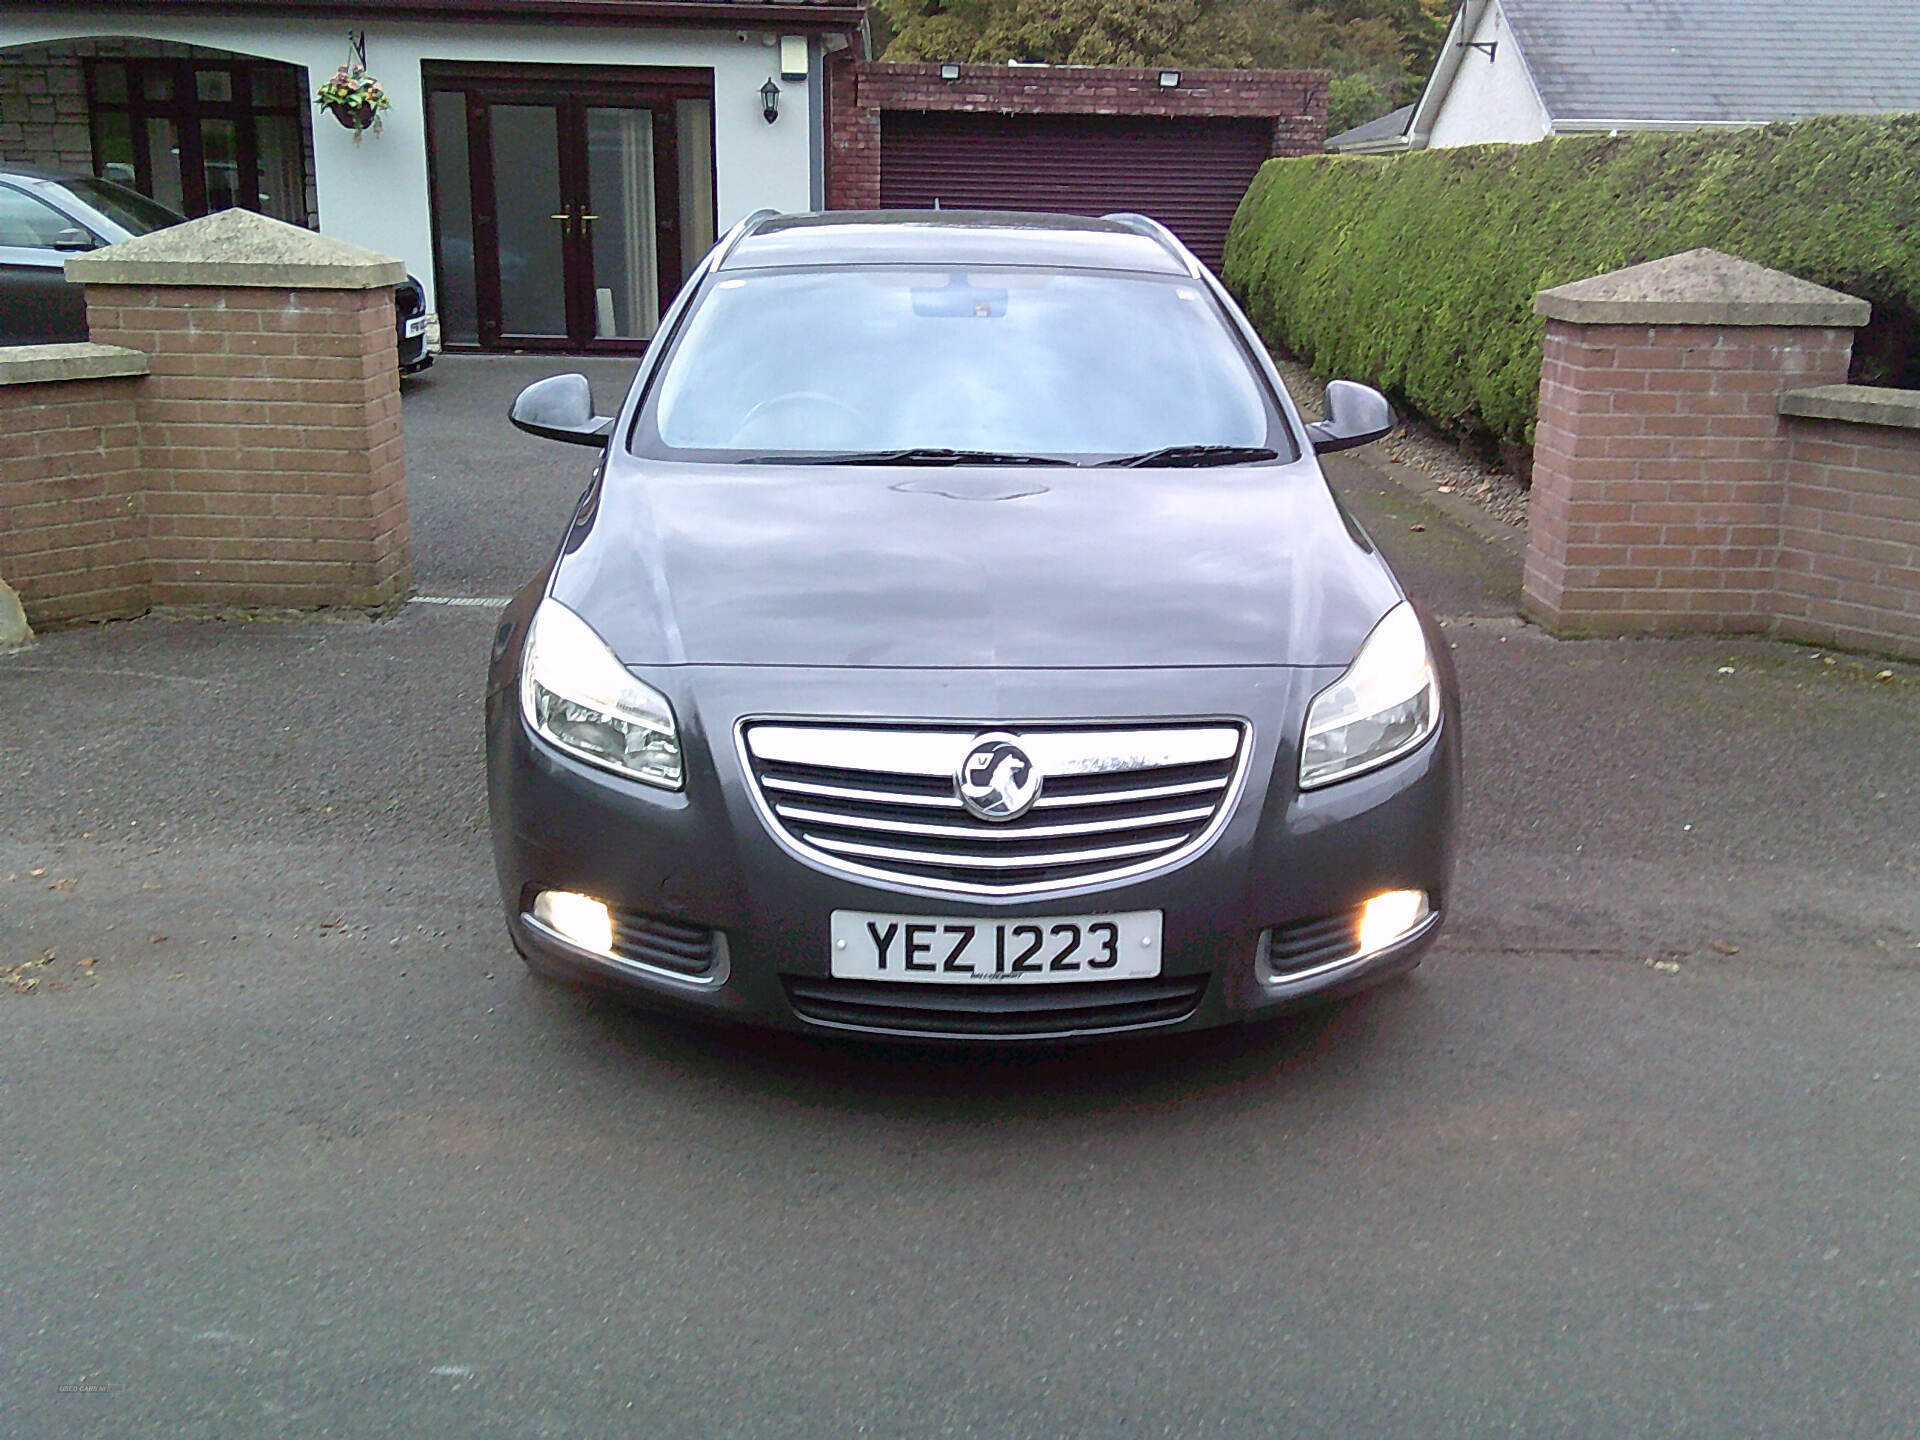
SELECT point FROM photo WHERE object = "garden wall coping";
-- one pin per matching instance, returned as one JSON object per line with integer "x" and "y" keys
{"x": 1700, "y": 287}
{"x": 1862, "y": 404}
{"x": 48, "y": 364}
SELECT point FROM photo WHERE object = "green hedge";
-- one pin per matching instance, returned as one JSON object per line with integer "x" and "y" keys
{"x": 1417, "y": 273}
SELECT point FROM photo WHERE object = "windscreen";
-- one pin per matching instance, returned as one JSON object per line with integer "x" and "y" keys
{"x": 1069, "y": 364}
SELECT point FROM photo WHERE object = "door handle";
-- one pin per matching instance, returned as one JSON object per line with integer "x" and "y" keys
{"x": 589, "y": 217}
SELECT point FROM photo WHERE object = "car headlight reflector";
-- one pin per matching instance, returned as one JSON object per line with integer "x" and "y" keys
{"x": 576, "y": 694}
{"x": 1386, "y": 703}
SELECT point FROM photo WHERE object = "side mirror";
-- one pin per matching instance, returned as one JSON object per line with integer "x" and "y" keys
{"x": 1356, "y": 415}
{"x": 74, "y": 239}
{"x": 561, "y": 408}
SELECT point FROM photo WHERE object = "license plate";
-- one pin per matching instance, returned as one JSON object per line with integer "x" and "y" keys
{"x": 416, "y": 326}
{"x": 1022, "y": 950}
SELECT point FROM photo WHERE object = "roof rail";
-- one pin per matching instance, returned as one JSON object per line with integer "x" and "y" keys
{"x": 1146, "y": 225}
{"x": 739, "y": 230}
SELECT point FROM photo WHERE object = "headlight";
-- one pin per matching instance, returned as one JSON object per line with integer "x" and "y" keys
{"x": 1387, "y": 703}
{"x": 575, "y": 692}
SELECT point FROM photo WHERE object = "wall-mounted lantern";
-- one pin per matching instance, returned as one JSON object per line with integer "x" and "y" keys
{"x": 770, "y": 101}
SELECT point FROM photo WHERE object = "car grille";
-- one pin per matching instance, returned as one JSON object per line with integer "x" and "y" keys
{"x": 665, "y": 944}
{"x": 1308, "y": 944}
{"x": 885, "y": 802}
{"x": 995, "y": 1012}
{"x": 408, "y": 298}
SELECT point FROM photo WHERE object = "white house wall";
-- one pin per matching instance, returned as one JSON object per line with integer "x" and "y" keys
{"x": 374, "y": 193}
{"x": 1490, "y": 102}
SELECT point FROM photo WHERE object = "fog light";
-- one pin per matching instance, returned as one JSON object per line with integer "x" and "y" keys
{"x": 579, "y": 919}
{"x": 1390, "y": 917}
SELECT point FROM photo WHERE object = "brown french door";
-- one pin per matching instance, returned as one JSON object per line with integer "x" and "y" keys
{"x": 567, "y": 212}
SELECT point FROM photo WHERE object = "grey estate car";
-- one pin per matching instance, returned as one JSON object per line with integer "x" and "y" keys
{"x": 959, "y": 641}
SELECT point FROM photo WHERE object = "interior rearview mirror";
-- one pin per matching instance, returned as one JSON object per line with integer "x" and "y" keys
{"x": 1356, "y": 415}
{"x": 73, "y": 238}
{"x": 561, "y": 408}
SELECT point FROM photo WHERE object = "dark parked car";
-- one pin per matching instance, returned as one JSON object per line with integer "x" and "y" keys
{"x": 45, "y": 217}
{"x": 959, "y": 641}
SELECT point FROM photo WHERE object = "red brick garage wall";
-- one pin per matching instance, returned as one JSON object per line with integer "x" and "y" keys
{"x": 1294, "y": 101}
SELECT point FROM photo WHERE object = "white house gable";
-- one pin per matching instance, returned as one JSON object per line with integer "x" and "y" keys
{"x": 1492, "y": 99}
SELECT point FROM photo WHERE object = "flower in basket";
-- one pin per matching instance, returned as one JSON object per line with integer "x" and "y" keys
{"x": 354, "y": 98}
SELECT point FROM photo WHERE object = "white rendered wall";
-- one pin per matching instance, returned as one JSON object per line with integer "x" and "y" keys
{"x": 374, "y": 193}
{"x": 1490, "y": 102}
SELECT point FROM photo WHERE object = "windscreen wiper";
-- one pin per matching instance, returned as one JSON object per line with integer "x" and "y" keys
{"x": 1173, "y": 455}
{"x": 919, "y": 455}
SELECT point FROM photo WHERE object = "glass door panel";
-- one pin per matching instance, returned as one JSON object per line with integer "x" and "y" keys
{"x": 283, "y": 171}
{"x": 530, "y": 220}
{"x": 456, "y": 285}
{"x": 623, "y": 223}
{"x": 693, "y": 119}
{"x": 220, "y": 158}
{"x": 163, "y": 155}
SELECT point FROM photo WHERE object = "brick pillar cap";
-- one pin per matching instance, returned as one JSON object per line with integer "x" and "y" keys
{"x": 242, "y": 249}
{"x": 1700, "y": 287}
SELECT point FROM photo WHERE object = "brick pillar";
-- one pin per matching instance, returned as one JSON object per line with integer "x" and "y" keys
{"x": 1660, "y": 458}
{"x": 270, "y": 420}
{"x": 853, "y": 145}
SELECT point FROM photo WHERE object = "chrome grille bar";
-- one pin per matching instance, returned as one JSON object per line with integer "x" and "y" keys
{"x": 854, "y": 792}
{"x": 1127, "y": 797}
{"x": 995, "y": 862}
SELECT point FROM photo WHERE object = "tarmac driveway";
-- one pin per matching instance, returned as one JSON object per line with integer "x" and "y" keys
{"x": 293, "y": 1146}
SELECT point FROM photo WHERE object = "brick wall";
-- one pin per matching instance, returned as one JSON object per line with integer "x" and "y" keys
{"x": 1660, "y": 469}
{"x": 859, "y": 92}
{"x": 1701, "y": 464}
{"x": 1849, "y": 570}
{"x": 271, "y": 434}
{"x": 71, "y": 478}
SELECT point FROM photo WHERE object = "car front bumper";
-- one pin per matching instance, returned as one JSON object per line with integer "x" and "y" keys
{"x": 701, "y": 862}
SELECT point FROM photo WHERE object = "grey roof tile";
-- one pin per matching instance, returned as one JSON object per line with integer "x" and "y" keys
{"x": 1702, "y": 61}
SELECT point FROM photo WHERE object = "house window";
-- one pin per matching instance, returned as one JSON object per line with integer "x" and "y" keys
{"x": 202, "y": 135}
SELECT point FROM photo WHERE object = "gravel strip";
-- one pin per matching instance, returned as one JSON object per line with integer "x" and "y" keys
{"x": 1418, "y": 445}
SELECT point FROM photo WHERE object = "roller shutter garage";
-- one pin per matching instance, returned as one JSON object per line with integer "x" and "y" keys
{"x": 1189, "y": 174}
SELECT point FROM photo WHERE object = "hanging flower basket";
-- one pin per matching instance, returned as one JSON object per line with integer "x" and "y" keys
{"x": 355, "y": 117}
{"x": 354, "y": 98}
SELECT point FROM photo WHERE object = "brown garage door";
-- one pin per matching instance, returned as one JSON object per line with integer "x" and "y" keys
{"x": 1187, "y": 174}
